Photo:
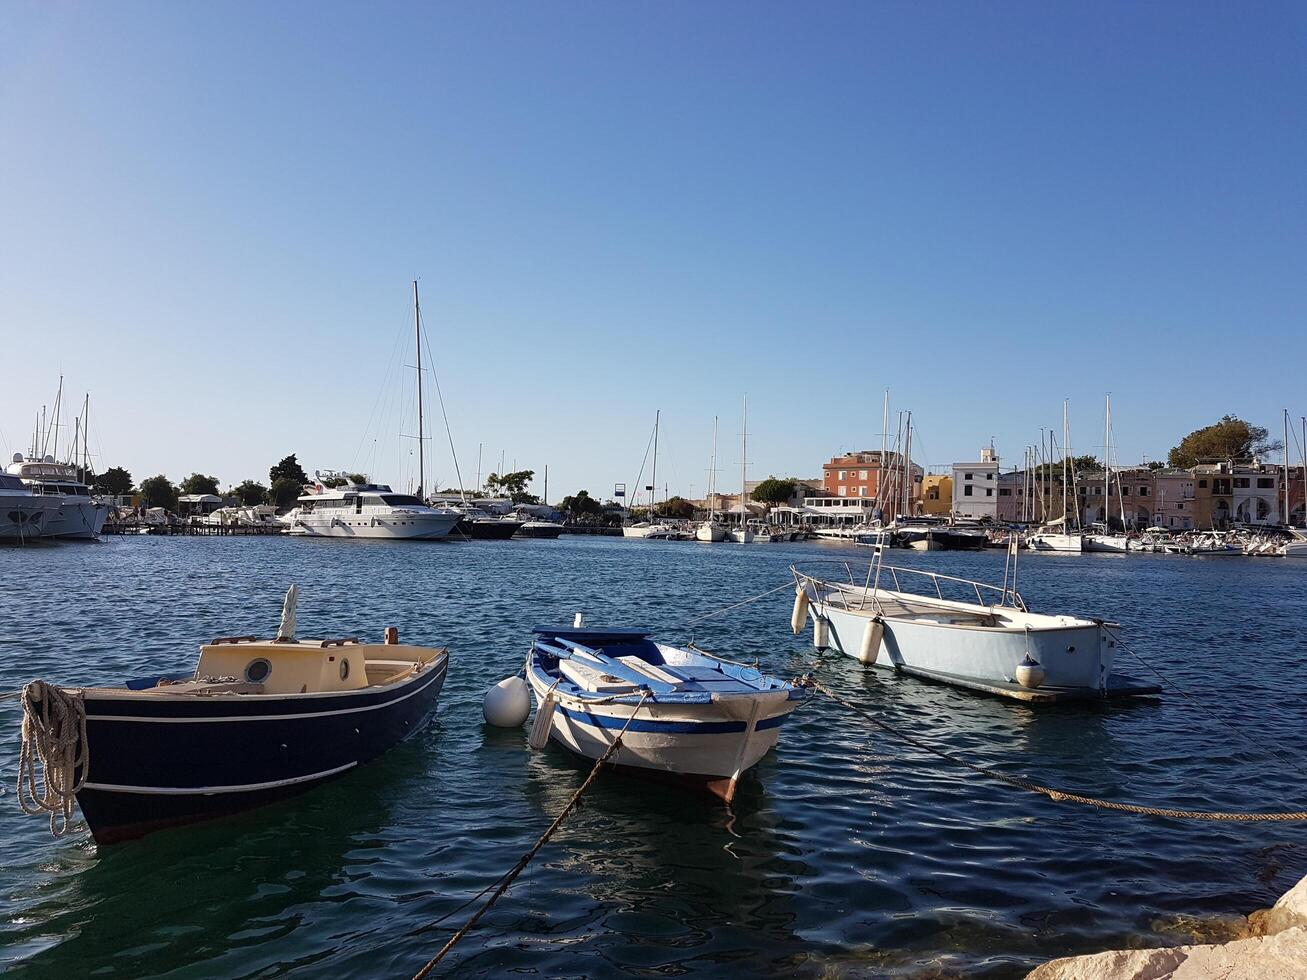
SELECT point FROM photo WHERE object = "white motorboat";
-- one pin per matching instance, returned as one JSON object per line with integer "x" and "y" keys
{"x": 370, "y": 510}
{"x": 1296, "y": 546}
{"x": 78, "y": 514}
{"x": 685, "y": 713}
{"x": 989, "y": 642}
{"x": 740, "y": 535}
{"x": 650, "y": 530}
{"x": 540, "y": 529}
{"x": 24, "y": 514}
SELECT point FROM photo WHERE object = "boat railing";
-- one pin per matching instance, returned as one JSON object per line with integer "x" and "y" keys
{"x": 867, "y": 590}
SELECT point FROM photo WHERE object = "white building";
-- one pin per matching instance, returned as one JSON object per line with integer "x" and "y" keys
{"x": 975, "y": 487}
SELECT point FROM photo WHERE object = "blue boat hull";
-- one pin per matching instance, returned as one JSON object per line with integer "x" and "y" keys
{"x": 159, "y": 762}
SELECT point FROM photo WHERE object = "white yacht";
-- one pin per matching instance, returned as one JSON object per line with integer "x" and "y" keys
{"x": 76, "y": 513}
{"x": 370, "y": 510}
{"x": 24, "y": 514}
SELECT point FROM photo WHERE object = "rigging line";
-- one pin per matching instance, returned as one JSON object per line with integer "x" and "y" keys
{"x": 441, "y": 398}
{"x": 1197, "y": 703}
{"x": 647, "y": 447}
{"x": 390, "y": 364}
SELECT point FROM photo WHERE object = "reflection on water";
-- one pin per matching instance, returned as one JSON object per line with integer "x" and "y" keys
{"x": 846, "y": 852}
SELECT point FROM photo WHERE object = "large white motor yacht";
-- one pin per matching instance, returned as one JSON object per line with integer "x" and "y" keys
{"x": 370, "y": 510}
{"x": 76, "y": 513}
{"x": 24, "y": 514}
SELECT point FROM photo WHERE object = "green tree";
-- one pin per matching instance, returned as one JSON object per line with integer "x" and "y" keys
{"x": 1229, "y": 439}
{"x": 675, "y": 507}
{"x": 283, "y": 492}
{"x": 158, "y": 491}
{"x": 513, "y": 486}
{"x": 251, "y": 493}
{"x": 115, "y": 481}
{"x": 334, "y": 482}
{"x": 581, "y": 504}
{"x": 772, "y": 491}
{"x": 199, "y": 483}
{"x": 288, "y": 469}
{"x": 358, "y": 477}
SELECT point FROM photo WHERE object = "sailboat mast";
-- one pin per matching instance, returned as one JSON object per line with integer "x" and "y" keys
{"x": 1286, "y": 468}
{"x": 417, "y": 330}
{"x": 744, "y": 465}
{"x": 712, "y": 475}
{"x": 545, "y": 499}
{"x": 884, "y": 437}
{"x": 907, "y": 467}
{"x": 1065, "y": 518}
{"x": 1107, "y": 463}
{"x": 653, "y": 474}
{"x": 86, "y": 428}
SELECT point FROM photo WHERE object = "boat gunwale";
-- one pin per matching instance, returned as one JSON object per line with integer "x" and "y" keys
{"x": 160, "y": 695}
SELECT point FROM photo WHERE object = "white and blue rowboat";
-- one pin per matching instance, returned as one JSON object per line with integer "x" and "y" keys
{"x": 702, "y": 719}
{"x": 961, "y": 632}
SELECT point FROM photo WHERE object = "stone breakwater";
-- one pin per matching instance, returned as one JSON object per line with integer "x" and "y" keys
{"x": 1272, "y": 946}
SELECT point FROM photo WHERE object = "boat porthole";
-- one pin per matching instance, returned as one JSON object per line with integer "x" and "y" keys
{"x": 257, "y": 671}
{"x": 1071, "y": 648}
{"x": 344, "y": 668}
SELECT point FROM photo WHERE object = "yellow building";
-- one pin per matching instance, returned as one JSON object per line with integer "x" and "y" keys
{"x": 937, "y": 495}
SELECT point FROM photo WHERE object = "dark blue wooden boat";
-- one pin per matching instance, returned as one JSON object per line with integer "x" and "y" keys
{"x": 259, "y": 721}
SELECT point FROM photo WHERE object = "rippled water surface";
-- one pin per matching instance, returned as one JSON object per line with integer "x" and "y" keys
{"x": 846, "y": 853}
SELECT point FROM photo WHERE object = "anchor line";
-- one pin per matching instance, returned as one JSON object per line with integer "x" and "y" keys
{"x": 1057, "y": 795}
{"x": 1196, "y": 703}
{"x": 525, "y": 859}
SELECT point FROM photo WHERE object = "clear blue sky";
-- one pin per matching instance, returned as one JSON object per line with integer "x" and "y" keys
{"x": 210, "y": 215}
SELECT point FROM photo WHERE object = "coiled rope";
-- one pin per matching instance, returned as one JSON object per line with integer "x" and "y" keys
{"x": 54, "y": 738}
{"x": 1054, "y": 794}
{"x": 525, "y": 859}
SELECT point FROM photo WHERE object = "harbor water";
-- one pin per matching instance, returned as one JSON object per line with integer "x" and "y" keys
{"x": 846, "y": 853}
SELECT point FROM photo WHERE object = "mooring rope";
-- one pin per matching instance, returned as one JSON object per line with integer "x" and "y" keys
{"x": 1055, "y": 794}
{"x": 737, "y": 605}
{"x": 54, "y": 738}
{"x": 525, "y": 859}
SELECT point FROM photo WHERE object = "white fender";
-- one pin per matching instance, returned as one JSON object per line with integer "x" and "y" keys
{"x": 869, "y": 649}
{"x": 544, "y": 722}
{"x": 820, "y": 633}
{"x": 800, "y": 615}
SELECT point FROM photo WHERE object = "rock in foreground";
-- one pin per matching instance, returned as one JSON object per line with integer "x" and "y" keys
{"x": 1275, "y": 949}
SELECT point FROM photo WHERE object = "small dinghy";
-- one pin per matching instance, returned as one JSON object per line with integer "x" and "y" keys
{"x": 696, "y": 716}
{"x": 257, "y": 721}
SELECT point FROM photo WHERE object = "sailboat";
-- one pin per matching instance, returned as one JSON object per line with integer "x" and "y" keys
{"x": 1102, "y": 538}
{"x": 710, "y": 530}
{"x": 742, "y": 534}
{"x": 373, "y": 510}
{"x": 650, "y": 528}
{"x": 1054, "y": 536}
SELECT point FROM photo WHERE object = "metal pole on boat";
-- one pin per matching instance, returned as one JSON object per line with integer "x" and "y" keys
{"x": 1286, "y": 467}
{"x": 417, "y": 330}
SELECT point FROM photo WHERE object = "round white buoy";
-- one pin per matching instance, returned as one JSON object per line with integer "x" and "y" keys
{"x": 821, "y": 633}
{"x": 869, "y": 649}
{"x": 1030, "y": 673}
{"x": 800, "y": 614}
{"x": 507, "y": 703}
